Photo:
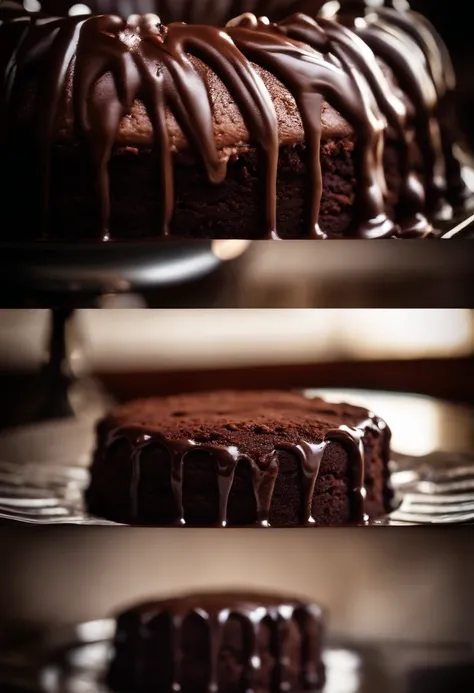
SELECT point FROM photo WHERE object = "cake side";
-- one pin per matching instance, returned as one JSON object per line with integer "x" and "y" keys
{"x": 232, "y": 209}
{"x": 238, "y": 459}
{"x": 231, "y": 642}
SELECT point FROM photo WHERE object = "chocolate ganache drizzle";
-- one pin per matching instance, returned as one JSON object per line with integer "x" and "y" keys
{"x": 154, "y": 63}
{"x": 264, "y": 468}
{"x": 326, "y": 36}
{"x": 413, "y": 50}
{"x": 441, "y": 69}
{"x": 310, "y": 77}
{"x": 142, "y": 631}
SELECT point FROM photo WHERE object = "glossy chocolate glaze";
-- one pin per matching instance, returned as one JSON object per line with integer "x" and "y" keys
{"x": 264, "y": 466}
{"x": 418, "y": 57}
{"x": 310, "y": 78}
{"x": 329, "y": 36}
{"x": 133, "y": 663}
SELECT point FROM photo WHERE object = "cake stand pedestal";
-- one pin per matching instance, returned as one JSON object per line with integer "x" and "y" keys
{"x": 79, "y": 274}
{"x": 65, "y": 390}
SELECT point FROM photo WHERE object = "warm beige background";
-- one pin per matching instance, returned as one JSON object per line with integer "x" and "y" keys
{"x": 413, "y": 584}
{"x": 118, "y": 340}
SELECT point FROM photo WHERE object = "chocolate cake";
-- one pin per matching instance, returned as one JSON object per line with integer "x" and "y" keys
{"x": 226, "y": 642}
{"x": 129, "y": 128}
{"x": 240, "y": 459}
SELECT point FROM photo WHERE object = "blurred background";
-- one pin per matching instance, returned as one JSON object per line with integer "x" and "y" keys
{"x": 402, "y": 585}
{"x": 136, "y": 353}
{"x": 448, "y": 20}
{"x": 243, "y": 274}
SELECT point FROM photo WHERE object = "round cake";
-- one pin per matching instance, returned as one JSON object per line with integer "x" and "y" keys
{"x": 240, "y": 459}
{"x": 226, "y": 642}
{"x": 120, "y": 128}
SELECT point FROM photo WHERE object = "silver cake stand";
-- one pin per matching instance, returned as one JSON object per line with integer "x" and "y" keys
{"x": 77, "y": 274}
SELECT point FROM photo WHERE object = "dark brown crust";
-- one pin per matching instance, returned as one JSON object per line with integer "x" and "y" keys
{"x": 255, "y": 428}
{"x": 202, "y": 210}
{"x": 230, "y": 210}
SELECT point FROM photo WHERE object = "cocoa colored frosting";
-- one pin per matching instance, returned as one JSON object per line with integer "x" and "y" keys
{"x": 157, "y": 65}
{"x": 279, "y": 420}
{"x": 135, "y": 628}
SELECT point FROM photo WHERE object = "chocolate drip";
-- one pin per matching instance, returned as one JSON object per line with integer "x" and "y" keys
{"x": 263, "y": 472}
{"x": 442, "y": 73}
{"x": 310, "y": 77}
{"x": 415, "y": 81}
{"x": 419, "y": 61}
{"x": 216, "y": 623}
{"x": 330, "y": 37}
{"x": 310, "y": 457}
{"x": 138, "y": 625}
{"x": 106, "y": 64}
{"x": 351, "y": 439}
{"x": 309, "y": 620}
{"x": 140, "y": 443}
{"x": 177, "y": 459}
{"x": 263, "y": 487}
{"x": 282, "y": 617}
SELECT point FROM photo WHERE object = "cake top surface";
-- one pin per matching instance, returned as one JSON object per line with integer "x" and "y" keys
{"x": 217, "y": 602}
{"x": 252, "y": 421}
